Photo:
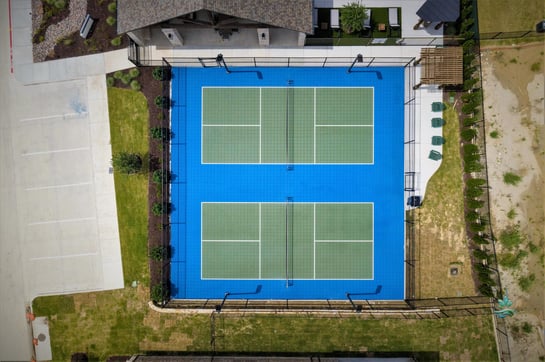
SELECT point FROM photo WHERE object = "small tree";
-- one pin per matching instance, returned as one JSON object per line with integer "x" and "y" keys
{"x": 352, "y": 17}
{"x": 159, "y": 293}
{"x": 160, "y": 176}
{"x": 159, "y": 253}
{"x": 126, "y": 162}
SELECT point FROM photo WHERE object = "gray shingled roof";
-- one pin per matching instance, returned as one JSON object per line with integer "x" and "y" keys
{"x": 289, "y": 14}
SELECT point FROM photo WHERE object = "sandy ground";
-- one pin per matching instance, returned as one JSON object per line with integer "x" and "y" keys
{"x": 514, "y": 108}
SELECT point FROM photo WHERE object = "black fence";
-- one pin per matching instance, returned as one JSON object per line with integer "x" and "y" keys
{"x": 511, "y": 35}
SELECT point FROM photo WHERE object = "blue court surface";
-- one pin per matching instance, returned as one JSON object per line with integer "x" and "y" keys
{"x": 288, "y": 183}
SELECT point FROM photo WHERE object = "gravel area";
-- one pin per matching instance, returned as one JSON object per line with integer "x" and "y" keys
{"x": 71, "y": 24}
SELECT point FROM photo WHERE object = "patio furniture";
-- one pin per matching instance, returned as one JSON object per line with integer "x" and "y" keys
{"x": 435, "y": 155}
{"x": 393, "y": 18}
{"x": 437, "y": 140}
{"x": 334, "y": 18}
{"x": 381, "y": 27}
{"x": 437, "y": 107}
{"x": 367, "y": 20}
{"x": 437, "y": 122}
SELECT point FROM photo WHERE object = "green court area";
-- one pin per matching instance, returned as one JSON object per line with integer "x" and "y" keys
{"x": 287, "y": 241}
{"x": 287, "y": 125}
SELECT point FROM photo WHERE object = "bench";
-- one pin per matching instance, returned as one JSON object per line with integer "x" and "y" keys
{"x": 86, "y": 26}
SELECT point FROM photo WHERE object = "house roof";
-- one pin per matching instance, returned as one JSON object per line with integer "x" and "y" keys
{"x": 289, "y": 14}
{"x": 439, "y": 10}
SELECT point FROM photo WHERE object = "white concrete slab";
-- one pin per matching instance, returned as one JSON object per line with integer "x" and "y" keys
{"x": 40, "y": 331}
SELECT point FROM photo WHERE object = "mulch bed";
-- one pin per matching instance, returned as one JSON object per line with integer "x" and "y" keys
{"x": 99, "y": 41}
{"x": 158, "y": 227}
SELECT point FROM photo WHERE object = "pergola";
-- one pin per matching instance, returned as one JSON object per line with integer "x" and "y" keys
{"x": 442, "y": 66}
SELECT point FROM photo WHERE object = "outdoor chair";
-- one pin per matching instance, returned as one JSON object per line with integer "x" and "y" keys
{"x": 334, "y": 18}
{"x": 435, "y": 155}
{"x": 437, "y": 140}
{"x": 437, "y": 122}
{"x": 393, "y": 20}
{"x": 367, "y": 20}
{"x": 437, "y": 107}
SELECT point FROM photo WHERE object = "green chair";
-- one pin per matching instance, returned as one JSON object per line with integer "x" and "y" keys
{"x": 437, "y": 107}
{"x": 437, "y": 122}
{"x": 437, "y": 140}
{"x": 435, "y": 155}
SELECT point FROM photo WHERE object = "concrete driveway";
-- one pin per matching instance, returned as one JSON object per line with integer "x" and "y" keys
{"x": 58, "y": 217}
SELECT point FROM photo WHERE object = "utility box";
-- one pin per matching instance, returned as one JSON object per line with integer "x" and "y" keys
{"x": 173, "y": 37}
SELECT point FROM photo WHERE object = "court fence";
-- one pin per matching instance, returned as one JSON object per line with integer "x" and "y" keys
{"x": 433, "y": 308}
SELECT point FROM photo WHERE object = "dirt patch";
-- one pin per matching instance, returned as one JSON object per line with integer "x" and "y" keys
{"x": 513, "y": 84}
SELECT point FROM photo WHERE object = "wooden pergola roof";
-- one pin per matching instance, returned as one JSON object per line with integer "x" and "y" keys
{"x": 442, "y": 66}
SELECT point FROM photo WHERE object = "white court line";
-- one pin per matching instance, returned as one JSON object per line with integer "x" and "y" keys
{"x": 315, "y": 128}
{"x": 344, "y": 125}
{"x": 57, "y": 186}
{"x": 56, "y": 151}
{"x": 259, "y": 241}
{"x": 60, "y": 221}
{"x": 62, "y": 116}
{"x": 63, "y": 256}
{"x": 231, "y": 125}
{"x": 260, "y": 132}
{"x": 343, "y": 241}
{"x": 314, "y": 241}
{"x": 230, "y": 241}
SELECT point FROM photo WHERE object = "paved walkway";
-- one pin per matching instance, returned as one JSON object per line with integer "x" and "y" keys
{"x": 58, "y": 218}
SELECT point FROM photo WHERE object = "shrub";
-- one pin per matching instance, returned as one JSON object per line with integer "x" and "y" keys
{"x": 159, "y": 253}
{"x": 480, "y": 240}
{"x": 110, "y": 20}
{"x": 161, "y": 101}
{"x": 135, "y": 85}
{"x": 128, "y": 163}
{"x": 469, "y": 108}
{"x": 511, "y": 237}
{"x": 474, "y": 203}
{"x": 159, "y": 293}
{"x": 525, "y": 283}
{"x": 352, "y": 17}
{"x": 472, "y": 216}
{"x": 470, "y": 121}
{"x": 527, "y": 327}
{"x": 481, "y": 254}
{"x": 158, "y": 209}
{"x": 159, "y": 133}
{"x": 160, "y": 176}
{"x": 110, "y": 81}
{"x": 116, "y": 41}
{"x": 511, "y": 214}
{"x": 126, "y": 78}
{"x": 476, "y": 227}
{"x": 112, "y": 7}
{"x": 475, "y": 182}
{"x": 134, "y": 72}
{"x": 511, "y": 178}
{"x": 469, "y": 83}
{"x": 118, "y": 74}
{"x": 494, "y": 134}
{"x": 468, "y": 134}
{"x": 535, "y": 67}
{"x": 161, "y": 73}
{"x": 486, "y": 290}
{"x": 510, "y": 260}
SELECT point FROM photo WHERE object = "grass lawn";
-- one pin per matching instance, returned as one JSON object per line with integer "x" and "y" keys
{"x": 506, "y": 15}
{"x": 441, "y": 226}
{"x": 121, "y": 323}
